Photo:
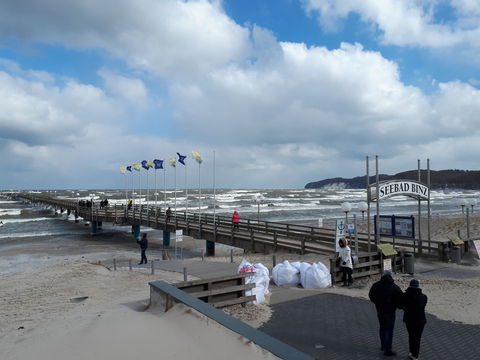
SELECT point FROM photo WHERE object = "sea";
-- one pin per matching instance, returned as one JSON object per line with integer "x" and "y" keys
{"x": 34, "y": 236}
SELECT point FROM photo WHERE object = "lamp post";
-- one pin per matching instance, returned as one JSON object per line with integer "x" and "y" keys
{"x": 346, "y": 208}
{"x": 362, "y": 206}
{"x": 258, "y": 200}
{"x": 91, "y": 205}
{"x": 463, "y": 203}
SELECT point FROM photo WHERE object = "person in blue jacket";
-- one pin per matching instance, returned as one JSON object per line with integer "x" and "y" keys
{"x": 143, "y": 247}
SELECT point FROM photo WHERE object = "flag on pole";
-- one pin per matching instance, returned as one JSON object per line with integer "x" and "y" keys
{"x": 145, "y": 164}
{"x": 136, "y": 166}
{"x": 150, "y": 163}
{"x": 158, "y": 164}
{"x": 123, "y": 169}
{"x": 181, "y": 158}
{"x": 172, "y": 161}
{"x": 196, "y": 155}
{"x": 129, "y": 168}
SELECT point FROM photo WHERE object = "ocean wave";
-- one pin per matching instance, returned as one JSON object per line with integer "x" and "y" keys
{"x": 8, "y": 221}
{"x": 10, "y": 212}
{"x": 32, "y": 235}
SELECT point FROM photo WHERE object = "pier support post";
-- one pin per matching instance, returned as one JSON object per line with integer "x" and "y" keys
{"x": 76, "y": 216}
{"x": 99, "y": 225}
{"x": 166, "y": 244}
{"x": 136, "y": 231}
{"x": 210, "y": 247}
{"x": 166, "y": 238}
{"x": 93, "y": 227}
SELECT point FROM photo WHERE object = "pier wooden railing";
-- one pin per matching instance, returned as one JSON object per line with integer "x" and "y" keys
{"x": 251, "y": 234}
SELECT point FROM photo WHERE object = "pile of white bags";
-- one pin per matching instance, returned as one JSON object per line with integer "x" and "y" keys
{"x": 260, "y": 276}
{"x": 315, "y": 276}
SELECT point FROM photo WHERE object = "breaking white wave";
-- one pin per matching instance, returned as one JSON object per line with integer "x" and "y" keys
{"x": 31, "y": 234}
{"x": 7, "y": 221}
{"x": 10, "y": 212}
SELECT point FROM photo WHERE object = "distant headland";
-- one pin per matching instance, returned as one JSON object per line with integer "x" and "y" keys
{"x": 441, "y": 179}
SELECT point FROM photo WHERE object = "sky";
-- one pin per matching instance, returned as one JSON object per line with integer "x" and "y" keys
{"x": 283, "y": 92}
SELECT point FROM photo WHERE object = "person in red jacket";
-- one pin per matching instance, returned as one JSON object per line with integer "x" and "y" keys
{"x": 235, "y": 220}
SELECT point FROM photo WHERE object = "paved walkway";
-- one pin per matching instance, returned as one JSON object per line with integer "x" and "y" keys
{"x": 331, "y": 326}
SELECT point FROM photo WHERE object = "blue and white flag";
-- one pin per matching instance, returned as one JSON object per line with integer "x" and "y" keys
{"x": 158, "y": 164}
{"x": 181, "y": 158}
{"x": 145, "y": 164}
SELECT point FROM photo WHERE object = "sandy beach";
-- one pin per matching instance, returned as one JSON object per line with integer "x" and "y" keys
{"x": 45, "y": 315}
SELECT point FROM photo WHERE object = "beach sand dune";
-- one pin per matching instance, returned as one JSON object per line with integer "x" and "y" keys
{"x": 84, "y": 311}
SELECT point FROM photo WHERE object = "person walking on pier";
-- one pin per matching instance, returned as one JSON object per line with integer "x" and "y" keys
{"x": 346, "y": 264}
{"x": 414, "y": 302}
{"x": 143, "y": 247}
{"x": 387, "y": 297}
{"x": 235, "y": 220}
{"x": 169, "y": 214}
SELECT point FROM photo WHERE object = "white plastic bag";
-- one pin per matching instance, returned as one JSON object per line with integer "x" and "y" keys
{"x": 285, "y": 274}
{"x": 244, "y": 267}
{"x": 316, "y": 276}
{"x": 261, "y": 280}
{"x": 259, "y": 276}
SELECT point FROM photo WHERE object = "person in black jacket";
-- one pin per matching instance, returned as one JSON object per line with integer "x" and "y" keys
{"x": 414, "y": 302}
{"x": 387, "y": 297}
{"x": 143, "y": 246}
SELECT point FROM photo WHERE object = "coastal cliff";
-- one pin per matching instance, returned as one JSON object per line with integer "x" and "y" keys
{"x": 441, "y": 179}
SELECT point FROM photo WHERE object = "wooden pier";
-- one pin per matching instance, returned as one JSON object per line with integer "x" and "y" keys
{"x": 251, "y": 235}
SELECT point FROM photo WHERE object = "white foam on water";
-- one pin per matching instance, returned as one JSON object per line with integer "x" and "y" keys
{"x": 30, "y": 234}
{"x": 7, "y": 221}
{"x": 9, "y": 202}
{"x": 6, "y": 212}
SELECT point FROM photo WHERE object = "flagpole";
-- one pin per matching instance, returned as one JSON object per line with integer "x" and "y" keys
{"x": 165, "y": 187}
{"x": 133, "y": 190}
{"x": 156, "y": 209}
{"x": 139, "y": 188}
{"x": 175, "y": 189}
{"x": 186, "y": 192}
{"x": 214, "y": 200}
{"x": 148, "y": 191}
{"x": 199, "y": 192}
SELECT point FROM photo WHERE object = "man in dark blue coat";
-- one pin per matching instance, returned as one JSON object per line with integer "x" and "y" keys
{"x": 414, "y": 303}
{"x": 387, "y": 297}
{"x": 143, "y": 247}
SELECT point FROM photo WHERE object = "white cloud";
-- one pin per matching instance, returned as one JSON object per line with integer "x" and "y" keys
{"x": 406, "y": 22}
{"x": 131, "y": 89}
{"x": 167, "y": 37}
{"x": 278, "y": 114}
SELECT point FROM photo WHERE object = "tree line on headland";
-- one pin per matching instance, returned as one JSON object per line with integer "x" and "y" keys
{"x": 441, "y": 179}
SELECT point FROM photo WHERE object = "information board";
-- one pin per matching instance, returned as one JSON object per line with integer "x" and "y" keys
{"x": 476, "y": 244}
{"x": 387, "y": 264}
{"x": 178, "y": 235}
{"x": 339, "y": 232}
{"x": 395, "y": 226}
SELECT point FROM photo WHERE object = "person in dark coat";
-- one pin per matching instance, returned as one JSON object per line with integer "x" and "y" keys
{"x": 387, "y": 297}
{"x": 414, "y": 302}
{"x": 143, "y": 247}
